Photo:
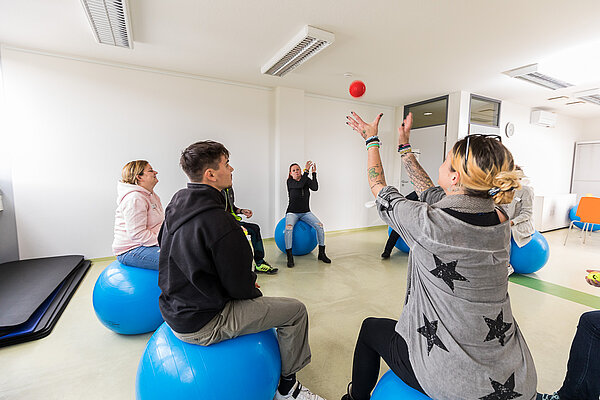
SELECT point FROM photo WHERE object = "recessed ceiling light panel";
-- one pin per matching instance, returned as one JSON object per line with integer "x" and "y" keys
{"x": 530, "y": 73}
{"x": 306, "y": 44}
{"x": 109, "y": 20}
{"x": 591, "y": 96}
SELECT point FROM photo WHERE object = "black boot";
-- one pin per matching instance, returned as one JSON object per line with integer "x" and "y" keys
{"x": 322, "y": 256}
{"x": 290, "y": 262}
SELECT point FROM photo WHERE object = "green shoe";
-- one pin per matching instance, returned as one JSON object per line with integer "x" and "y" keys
{"x": 265, "y": 268}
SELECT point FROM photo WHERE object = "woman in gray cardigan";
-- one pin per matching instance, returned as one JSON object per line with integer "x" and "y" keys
{"x": 456, "y": 337}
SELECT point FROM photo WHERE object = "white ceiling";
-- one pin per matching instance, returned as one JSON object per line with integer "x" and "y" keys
{"x": 405, "y": 51}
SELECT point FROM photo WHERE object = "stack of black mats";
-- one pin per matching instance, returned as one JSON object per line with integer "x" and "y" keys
{"x": 34, "y": 293}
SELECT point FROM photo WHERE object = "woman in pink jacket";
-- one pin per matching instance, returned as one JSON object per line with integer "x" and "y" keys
{"x": 139, "y": 216}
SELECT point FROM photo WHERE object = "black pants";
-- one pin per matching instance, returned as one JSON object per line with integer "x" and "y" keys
{"x": 582, "y": 381}
{"x": 391, "y": 242}
{"x": 256, "y": 239}
{"x": 378, "y": 338}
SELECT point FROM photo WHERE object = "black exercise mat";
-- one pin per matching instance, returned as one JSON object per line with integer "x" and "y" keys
{"x": 44, "y": 319}
{"x": 26, "y": 284}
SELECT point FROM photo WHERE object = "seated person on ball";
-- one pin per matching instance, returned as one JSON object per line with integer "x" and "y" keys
{"x": 138, "y": 217}
{"x": 209, "y": 291}
{"x": 456, "y": 337}
{"x": 253, "y": 230}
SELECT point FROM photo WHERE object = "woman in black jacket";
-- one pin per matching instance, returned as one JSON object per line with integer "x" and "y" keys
{"x": 299, "y": 186}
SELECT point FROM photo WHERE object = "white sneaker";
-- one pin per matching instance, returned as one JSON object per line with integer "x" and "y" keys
{"x": 510, "y": 270}
{"x": 298, "y": 392}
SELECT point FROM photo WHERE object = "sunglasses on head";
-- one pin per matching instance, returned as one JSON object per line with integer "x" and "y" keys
{"x": 497, "y": 137}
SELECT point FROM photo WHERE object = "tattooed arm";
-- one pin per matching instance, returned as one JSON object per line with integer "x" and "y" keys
{"x": 419, "y": 178}
{"x": 374, "y": 167}
{"x": 375, "y": 171}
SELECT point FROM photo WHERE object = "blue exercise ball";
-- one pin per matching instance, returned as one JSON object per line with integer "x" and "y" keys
{"x": 247, "y": 367}
{"x": 390, "y": 387}
{"x": 126, "y": 299}
{"x": 531, "y": 257}
{"x": 574, "y": 217}
{"x": 400, "y": 243}
{"x": 304, "y": 239}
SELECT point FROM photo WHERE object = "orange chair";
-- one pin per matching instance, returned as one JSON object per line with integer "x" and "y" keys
{"x": 589, "y": 212}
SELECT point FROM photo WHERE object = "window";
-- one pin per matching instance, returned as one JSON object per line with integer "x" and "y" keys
{"x": 484, "y": 111}
{"x": 429, "y": 112}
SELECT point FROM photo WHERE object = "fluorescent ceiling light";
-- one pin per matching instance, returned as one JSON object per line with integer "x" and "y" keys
{"x": 591, "y": 96}
{"x": 306, "y": 44}
{"x": 531, "y": 73}
{"x": 427, "y": 114}
{"x": 109, "y": 20}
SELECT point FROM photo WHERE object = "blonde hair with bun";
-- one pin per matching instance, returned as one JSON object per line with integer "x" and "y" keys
{"x": 489, "y": 170}
{"x": 132, "y": 170}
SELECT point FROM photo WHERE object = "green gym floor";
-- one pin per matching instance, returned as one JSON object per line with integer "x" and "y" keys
{"x": 81, "y": 359}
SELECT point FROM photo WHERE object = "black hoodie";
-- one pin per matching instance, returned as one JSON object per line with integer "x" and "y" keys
{"x": 205, "y": 259}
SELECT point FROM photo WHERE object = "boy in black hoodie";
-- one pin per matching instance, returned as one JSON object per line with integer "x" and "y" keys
{"x": 209, "y": 291}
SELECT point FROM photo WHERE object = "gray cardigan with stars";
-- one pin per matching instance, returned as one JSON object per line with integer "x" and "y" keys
{"x": 462, "y": 338}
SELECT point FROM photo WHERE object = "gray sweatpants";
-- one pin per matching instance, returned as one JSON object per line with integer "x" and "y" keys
{"x": 241, "y": 317}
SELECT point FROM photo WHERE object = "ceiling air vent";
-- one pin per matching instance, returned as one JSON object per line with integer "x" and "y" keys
{"x": 591, "y": 96}
{"x": 531, "y": 74}
{"x": 109, "y": 20}
{"x": 306, "y": 44}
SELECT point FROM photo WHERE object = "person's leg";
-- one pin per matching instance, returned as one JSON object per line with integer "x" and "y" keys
{"x": 378, "y": 338}
{"x": 313, "y": 221}
{"x": 257, "y": 244}
{"x": 242, "y": 317}
{"x": 583, "y": 369}
{"x": 290, "y": 221}
{"x": 389, "y": 245}
{"x": 141, "y": 257}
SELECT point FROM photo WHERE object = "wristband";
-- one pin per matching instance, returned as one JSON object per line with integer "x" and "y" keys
{"x": 373, "y": 144}
{"x": 404, "y": 149}
{"x": 372, "y": 139}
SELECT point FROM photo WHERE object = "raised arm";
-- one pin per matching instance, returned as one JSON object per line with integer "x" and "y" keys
{"x": 417, "y": 175}
{"x": 375, "y": 173}
{"x": 313, "y": 184}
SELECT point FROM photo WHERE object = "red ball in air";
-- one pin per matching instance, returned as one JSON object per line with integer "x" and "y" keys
{"x": 357, "y": 88}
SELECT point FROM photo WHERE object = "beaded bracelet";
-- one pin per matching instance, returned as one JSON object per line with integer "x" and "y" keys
{"x": 404, "y": 149}
{"x": 372, "y": 139}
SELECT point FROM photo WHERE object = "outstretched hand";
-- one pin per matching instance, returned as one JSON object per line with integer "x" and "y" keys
{"x": 594, "y": 279}
{"x": 308, "y": 165}
{"x": 364, "y": 129}
{"x": 404, "y": 130}
{"x": 314, "y": 168}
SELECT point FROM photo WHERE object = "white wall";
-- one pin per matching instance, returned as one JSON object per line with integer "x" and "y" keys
{"x": 591, "y": 130}
{"x": 73, "y": 124}
{"x": 546, "y": 154}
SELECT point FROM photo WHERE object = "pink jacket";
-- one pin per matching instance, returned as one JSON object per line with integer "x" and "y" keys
{"x": 138, "y": 218}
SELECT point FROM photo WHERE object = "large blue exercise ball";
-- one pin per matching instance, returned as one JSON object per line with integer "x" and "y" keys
{"x": 304, "y": 239}
{"x": 247, "y": 367}
{"x": 531, "y": 257}
{"x": 400, "y": 243}
{"x": 126, "y": 299}
{"x": 573, "y": 217}
{"x": 390, "y": 387}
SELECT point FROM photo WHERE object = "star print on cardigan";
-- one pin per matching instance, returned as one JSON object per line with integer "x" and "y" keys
{"x": 447, "y": 272}
{"x": 429, "y": 331}
{"x": 498, "y": 328}
{"x": 503, "y": 392}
